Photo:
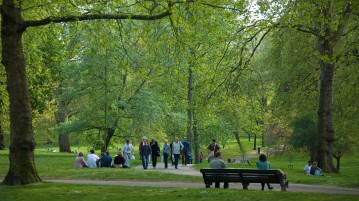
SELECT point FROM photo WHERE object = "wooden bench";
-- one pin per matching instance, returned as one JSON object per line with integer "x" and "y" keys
{"x": 244, "y": 176}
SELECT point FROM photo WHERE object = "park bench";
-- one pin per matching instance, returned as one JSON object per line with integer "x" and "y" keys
{"x": 244, "y": 176}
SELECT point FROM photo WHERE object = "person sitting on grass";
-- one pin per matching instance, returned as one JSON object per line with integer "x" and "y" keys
{"x": 217, "y": 162}
{"x": 315, "y": 170}
{"x": 106, "y": 160}
{"x": 307, "y": 168}
{"x": 119, "y": 161}
{"x": 79, "y": 161}
{"x": 92, "y": 159}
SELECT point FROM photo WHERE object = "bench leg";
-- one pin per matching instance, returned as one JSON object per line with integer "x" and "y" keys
{"x": 208, "y": 185}
{"x": 245, "y": 186}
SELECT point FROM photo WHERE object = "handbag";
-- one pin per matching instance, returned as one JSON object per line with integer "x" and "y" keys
{"x": 211, "y": 153}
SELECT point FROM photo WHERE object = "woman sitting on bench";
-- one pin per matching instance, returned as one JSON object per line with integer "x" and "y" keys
{"x": 263, "y": 164}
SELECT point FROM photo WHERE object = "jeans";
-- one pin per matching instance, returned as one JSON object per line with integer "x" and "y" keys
{"x": 128, "y": 158}
{"x": 145, "y": 162}
{"x": 165, "y": 159}
{"x": 185, "y": 158}
{"x": 176, "y": 159}
{"x": 154, "y": 160}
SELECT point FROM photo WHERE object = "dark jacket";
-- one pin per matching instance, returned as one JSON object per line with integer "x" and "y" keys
{"x": 146, "y": 150}
{"x": 155, "y": 149}
{"x": 106, "y": 161}
{"x": 119, "y": 160}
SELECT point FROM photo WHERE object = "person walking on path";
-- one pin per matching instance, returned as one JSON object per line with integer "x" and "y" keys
{"x": 140, "y": 146}
{"x": 263, "y": 164}
{"x": 128, "y": 152}
{"x": 92, "y": 159}
{"x": 212, "y": 149}
{"x": 176, "y": 149}
{"x": 218, "y": 163}
{"x": 155, "y": 153}
{"x": 186, "y": 149}
{"x": 145, "y": 153}
{"x": 166, "y": 151}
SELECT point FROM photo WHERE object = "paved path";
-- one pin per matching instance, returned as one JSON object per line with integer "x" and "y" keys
{"x": 189, "y": 170}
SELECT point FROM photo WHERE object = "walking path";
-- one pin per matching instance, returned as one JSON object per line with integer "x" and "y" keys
{"x": 189, "y": 170}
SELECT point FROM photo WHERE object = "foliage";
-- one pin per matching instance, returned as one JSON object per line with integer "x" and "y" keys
{"x": 304, "y": 134}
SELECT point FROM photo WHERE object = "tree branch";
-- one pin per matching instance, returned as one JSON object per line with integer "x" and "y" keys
{"x": 94, "y": 17}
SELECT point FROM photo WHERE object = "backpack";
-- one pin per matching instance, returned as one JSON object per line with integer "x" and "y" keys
{"x": 318, "y": 173}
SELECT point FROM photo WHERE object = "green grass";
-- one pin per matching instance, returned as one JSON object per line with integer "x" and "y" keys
{"x": 69, "y": 192}
{"x": 60, "y": 166}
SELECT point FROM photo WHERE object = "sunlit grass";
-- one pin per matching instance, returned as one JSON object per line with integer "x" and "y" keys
{"x": 92, "y": 192}
{"x": 60, "y": 166}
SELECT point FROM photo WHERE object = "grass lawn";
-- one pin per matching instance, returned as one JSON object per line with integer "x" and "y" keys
{"x": 60, "y": 166}
{"x": 68, "y": 192}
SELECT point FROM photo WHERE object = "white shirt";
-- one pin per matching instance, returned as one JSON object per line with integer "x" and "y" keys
{"x": 91, "y": 160}
{"x": 307, "y": 169}
{"x": 176, "y": 147}
{"x": 127, "y": 148}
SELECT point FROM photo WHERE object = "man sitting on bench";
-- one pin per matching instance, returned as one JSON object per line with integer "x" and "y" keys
{"x": 217, "y": 162}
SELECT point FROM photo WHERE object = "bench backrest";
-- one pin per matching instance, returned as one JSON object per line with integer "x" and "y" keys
{"x": 240, "y": 175}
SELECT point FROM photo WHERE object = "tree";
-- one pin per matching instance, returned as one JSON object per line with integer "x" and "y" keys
{"x": 327, "y": 21}
{"x": 13, "y": 24}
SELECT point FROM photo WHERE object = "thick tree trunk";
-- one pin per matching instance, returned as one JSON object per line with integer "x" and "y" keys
{"x": 325, "y": 118}
{"x": 22, "y": 143}
{"x": 61, "y": 115}
{"x": 64, "y": 142}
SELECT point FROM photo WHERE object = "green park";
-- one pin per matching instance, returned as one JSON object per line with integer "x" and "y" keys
{"x": 273, "y": 77}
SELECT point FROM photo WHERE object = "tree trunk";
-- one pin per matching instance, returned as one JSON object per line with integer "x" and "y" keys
{"x": 189, "y": 102}
{"x": 64, "y": 142}
{"x": 109, "y": 134}
{"x": 22, "y": 143}
{"x": 255, "y": 142}
{"x": 325, "y": 118}
{"x": 61, "y": 115}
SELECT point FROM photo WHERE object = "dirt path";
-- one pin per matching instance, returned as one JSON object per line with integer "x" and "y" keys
{"x": 189, "y": 170}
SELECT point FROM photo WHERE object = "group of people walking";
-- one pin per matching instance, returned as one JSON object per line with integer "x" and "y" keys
{"x": 149, "y": 151}
{"x": 171, "y": 151}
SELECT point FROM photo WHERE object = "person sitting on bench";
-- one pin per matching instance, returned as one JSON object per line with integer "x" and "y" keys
{"x": 217, "y": 162}
{"x": 263, "y": 164}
